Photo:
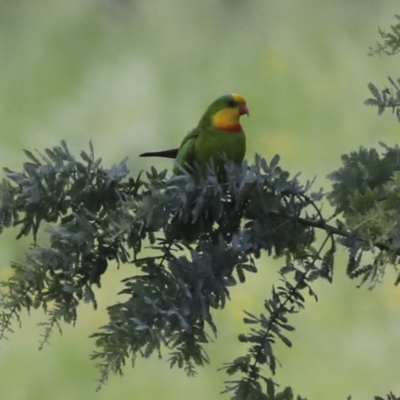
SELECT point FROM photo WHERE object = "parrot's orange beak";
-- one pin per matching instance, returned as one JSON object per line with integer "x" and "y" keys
{"x": 243, "y": 110}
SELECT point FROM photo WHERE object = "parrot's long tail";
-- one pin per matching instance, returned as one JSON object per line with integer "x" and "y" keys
{"x": 165, "y": 153}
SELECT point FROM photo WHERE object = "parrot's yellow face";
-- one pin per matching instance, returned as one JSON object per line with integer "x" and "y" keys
{"x": 227, "y": 117}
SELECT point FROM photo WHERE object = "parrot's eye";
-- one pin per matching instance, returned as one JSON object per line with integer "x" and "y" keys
{"x": 232, "y": 103}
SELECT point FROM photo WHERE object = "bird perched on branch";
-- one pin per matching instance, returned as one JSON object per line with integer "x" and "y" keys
{"x": 218, "y": 132}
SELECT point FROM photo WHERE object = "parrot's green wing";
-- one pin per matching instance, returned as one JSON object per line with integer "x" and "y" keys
{"x": 186, "y": 153}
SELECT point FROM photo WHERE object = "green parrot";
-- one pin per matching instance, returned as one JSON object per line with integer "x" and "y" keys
{"x": 218, "y": 132}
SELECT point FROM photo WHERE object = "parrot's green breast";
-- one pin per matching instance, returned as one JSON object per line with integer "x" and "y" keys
{"x": 202, "y": 145}
{"x": 213, "y": 143}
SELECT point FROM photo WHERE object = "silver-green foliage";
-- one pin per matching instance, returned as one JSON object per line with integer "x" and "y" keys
{"x": 206, "y": 233}
{"x": 389, "y": 97}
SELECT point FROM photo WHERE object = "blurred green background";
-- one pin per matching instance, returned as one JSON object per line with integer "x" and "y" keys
{"x": 134, "y": 76}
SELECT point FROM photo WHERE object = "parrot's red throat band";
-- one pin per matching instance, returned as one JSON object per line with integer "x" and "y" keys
{"x": 229, "y": 127}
